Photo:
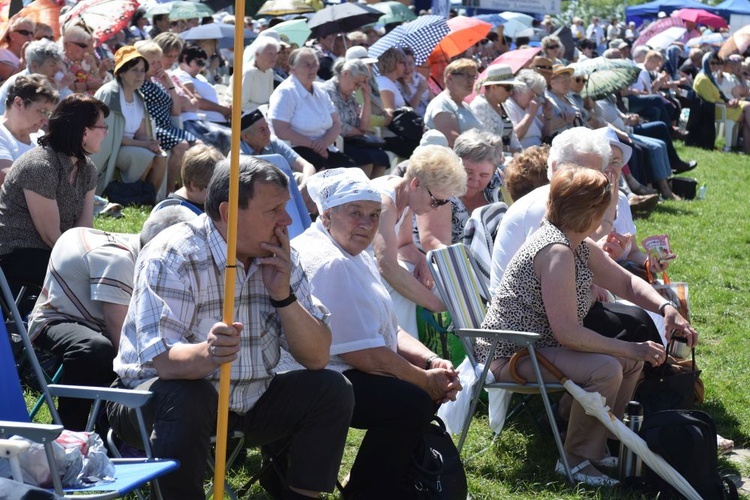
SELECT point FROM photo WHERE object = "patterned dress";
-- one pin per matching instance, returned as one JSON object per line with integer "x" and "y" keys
{"x": 518, "y": 303}
{"x": 159, "y": 106}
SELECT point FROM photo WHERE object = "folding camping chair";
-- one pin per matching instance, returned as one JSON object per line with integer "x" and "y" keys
{"x": 14, "y": 420}
{"x": 465, "y": 295}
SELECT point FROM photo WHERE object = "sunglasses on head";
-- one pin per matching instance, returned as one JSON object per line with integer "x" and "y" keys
{"x": 25, "y": 32}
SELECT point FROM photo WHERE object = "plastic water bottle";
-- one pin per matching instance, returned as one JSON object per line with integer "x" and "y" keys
{"x": 630, "y": 464}
{"x": 701, "y": 193}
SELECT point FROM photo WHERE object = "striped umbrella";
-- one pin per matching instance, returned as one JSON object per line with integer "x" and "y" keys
{"x": 421, "y": 35}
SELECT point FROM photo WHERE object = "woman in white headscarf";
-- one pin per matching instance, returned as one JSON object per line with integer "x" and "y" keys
{"x": 397, "y": 381}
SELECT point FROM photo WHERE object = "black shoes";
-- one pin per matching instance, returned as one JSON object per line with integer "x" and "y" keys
{"x": 684, "y": 166}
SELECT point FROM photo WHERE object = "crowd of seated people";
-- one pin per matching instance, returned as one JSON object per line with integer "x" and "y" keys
{"x": 145, "y": 107}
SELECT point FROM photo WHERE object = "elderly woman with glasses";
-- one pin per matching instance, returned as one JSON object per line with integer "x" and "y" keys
{"x": 481, "y": 153}
{"x": 18, "y": 33}
{"x": 29, "y": 104}
{"x": 547, "y": 289}
{"x": 527, "y": 107}
{"x": 398, "y": 382}
{"x": 77, "y": 43}
{"x": 447, "y": 112}
{"x": 553, "y": 48}
{"x": 50, "y": 188}
{"x": 564, "y": 114}
{"x": 132, "y": 149}
{"x": 489, "y": 107}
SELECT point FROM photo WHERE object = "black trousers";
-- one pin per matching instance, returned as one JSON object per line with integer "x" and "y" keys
{"x": 395, "y": 414}
{"x": 308, "y": 410}
{"x": 622, "y": 321}
{"x": 87, "y": 360}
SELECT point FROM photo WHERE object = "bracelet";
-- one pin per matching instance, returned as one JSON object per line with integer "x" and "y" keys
{"x": 284, "y": 302}
{"x": 428, "y": 363}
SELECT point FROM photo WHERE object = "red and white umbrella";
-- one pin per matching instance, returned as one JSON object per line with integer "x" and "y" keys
{"x": 104, "y": 17}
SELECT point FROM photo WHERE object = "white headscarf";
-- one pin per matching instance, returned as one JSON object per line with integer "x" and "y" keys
{"x": 337, "y": 186}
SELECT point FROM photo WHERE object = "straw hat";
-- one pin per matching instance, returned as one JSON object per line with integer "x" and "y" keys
{"x": 126, "y": 54}
{"x": 499, "y": 74}
{"x": 542, "y": 65}
{"x": 561, "y": 69}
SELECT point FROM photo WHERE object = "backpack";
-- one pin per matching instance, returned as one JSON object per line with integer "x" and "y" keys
{"x": 686, "y": 439}
{"x": 435, "y": 468}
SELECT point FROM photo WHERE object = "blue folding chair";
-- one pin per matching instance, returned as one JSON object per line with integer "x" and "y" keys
{"x": 130, "y": 474}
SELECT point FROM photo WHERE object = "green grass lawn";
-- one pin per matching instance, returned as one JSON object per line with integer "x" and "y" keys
{"x": 712, "y": 241}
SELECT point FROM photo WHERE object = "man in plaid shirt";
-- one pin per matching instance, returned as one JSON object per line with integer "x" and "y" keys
{"x": 173, "y": 341}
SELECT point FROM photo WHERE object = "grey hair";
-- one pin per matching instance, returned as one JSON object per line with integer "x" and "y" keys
{"x": 355, "y": 67}
{"x": 76, "y": 32}
{"x": 266, "y": 41}
{"x": 533, "y": 81}
{"x": 297, "y": 53}
{"x": 39, "y": 51}
{"x": 163, "y": 218}
{"x": 639, "y": 53}
{"x": 570, "y": 146}
{"x": 612, "y": 54}
{"x": 252, "y": 171}
{"x": 478, "y": 145}
{"x": 551, "y": 40}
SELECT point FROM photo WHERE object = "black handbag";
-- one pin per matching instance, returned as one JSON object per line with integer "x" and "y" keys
{"x": 684, "y": 187}
{"x": 435, "y": 469}
{"x": 407, "y": 124}
{"x": 131, "y": 193}
{"x": 670, "y": 386}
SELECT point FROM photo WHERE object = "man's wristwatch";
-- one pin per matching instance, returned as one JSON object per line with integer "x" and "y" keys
{"x": 428, "y": 363}
{"x": 284, "y": 302}
{"x": 665, "y": 304}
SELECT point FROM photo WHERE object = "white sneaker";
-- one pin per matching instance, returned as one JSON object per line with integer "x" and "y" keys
{"x": 580, "y": 477}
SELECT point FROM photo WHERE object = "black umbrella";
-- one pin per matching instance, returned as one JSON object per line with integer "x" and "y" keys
{"x": 342, "y": 18}
{"x": 566, "y": 38}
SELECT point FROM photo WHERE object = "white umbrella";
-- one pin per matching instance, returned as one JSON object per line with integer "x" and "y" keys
{"x": 517, "y": 16}
{"x": 513, "y": 27}
{"x": 666, "y": 38}
{"x": 594, "y": 404}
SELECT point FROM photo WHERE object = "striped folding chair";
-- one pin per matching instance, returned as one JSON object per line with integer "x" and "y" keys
{"x": 465, "y": 295}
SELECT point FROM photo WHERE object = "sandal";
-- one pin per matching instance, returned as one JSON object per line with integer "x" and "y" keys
{"x": 581, "y": 477}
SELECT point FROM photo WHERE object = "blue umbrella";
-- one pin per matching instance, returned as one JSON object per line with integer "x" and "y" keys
{"x": 421, "y": 35}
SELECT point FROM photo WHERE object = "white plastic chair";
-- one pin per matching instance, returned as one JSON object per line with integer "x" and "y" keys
{"x": 727, "y": 128}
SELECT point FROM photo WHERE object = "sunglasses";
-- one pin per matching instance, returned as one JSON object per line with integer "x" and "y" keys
{"x": 82, "y": 45}
{"x": 199, "y": 62}
{"x": 553, "y": 47}
{"x": 436, "y": 203}
{"x": 578, "y": 79}
{"x": 548, "y": 68}
{"x": 470, "y": 76}
{"x": 25, "y": 32}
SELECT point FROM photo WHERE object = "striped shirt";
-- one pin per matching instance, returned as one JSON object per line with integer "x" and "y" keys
{"x": 178, "y": 297}
{"x": 87, "y": 268}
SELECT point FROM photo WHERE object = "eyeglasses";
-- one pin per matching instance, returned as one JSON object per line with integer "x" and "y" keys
{"x": 607, "y": 187}
{"x": 715, "y": 63}
{"x": 579, "y": 79}
{"x": 552, "y": 47}
{"x": 199, "y": 62}
{"x": 81, "y": 45}
{"x": 548, "y": 68}
{"x": 468, "y": 76}
{"x": 436, "y": 203}
{"x": 25, "y": 32}
{"x": 104, "y": 127}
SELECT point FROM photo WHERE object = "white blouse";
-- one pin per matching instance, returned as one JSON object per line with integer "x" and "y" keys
{"x": 308, "y": 113}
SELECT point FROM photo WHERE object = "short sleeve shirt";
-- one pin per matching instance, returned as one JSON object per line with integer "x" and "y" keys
{"x": 45, "y": 172}
{"x": 10, "y": 147}
{"x": 442, "y": 103}
{"x": 309, "y": 113}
